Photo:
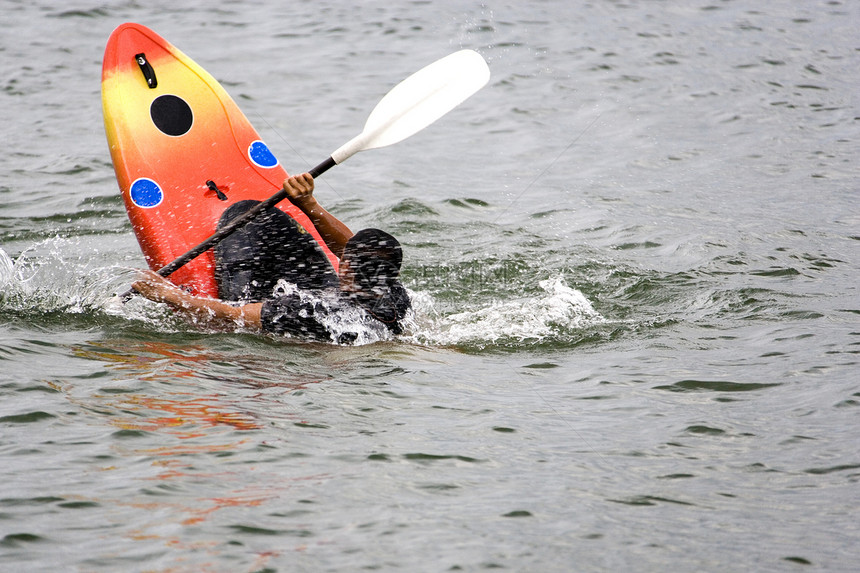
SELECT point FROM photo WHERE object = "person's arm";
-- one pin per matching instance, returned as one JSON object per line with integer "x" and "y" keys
{"x": 204, "y": 310}
{"x": 300, "y": 190}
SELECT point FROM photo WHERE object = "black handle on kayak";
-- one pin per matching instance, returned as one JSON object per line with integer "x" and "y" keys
{"x": 229, "y": 228}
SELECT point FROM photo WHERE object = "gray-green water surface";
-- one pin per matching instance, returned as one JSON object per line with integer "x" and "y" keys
{"x": 634, "y": 258}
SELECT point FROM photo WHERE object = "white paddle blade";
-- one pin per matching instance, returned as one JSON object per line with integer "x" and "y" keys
{"x": 419, "y": 100}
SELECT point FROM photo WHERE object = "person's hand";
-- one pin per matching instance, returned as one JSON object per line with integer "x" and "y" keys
{"x": 300, "y": 189}
{"x": 155, "y": 287}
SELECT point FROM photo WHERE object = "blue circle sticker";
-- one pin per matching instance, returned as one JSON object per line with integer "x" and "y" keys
{"x": 261, "y": 155}
{"x": 146, "y": 193}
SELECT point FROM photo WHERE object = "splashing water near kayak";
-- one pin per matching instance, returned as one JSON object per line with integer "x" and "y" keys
{"x": 59, "y": 282}
{"x": 62, "y": 277}
{"x": 554, "y": 313}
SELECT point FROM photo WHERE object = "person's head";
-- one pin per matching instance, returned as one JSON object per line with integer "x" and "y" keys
{"x": 371, "y": 262}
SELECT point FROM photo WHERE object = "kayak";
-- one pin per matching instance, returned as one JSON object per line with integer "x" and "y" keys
{"x": 183, "y": 153}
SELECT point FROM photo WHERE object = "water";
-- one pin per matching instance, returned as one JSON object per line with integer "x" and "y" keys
{"x": 635, "y": 263}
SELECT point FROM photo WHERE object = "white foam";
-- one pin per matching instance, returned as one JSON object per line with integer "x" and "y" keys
{"x": 59, "y": 278}
{"x": 7, "y": 270}
{"x": 556, "y": 312}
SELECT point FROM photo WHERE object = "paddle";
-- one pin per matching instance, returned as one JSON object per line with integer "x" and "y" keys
{"x": 409, "y": 107}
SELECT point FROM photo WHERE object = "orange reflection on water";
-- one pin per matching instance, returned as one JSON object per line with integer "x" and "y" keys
{"x": 188, "y": 402}
{"x": 148, "y": 356}
{"x": 160, "y": 361}
{"x": 224, "y": 502}
{"x": 192, "y": 414}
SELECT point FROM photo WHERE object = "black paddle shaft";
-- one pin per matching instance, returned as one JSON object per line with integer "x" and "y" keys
{"x": 231, "y": 227}
{"x": 236, "y": 223}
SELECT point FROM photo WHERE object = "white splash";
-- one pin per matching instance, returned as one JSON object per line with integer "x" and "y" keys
{"x": 556, "y": 312}
{"x": 7, "y": 270}
{"x": 73, "y": 284}
{"x": 54, "y": 280}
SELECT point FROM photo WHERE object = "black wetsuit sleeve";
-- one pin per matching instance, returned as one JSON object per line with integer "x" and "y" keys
{"x": 307, "y": 317}
{"x": 391, "y": 308}
{"x": 289, "y": 315}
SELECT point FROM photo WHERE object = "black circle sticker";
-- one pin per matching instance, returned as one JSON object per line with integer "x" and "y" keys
{"x": 171, "y": 115}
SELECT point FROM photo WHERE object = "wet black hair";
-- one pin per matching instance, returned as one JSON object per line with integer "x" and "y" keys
{"x": 375, "y": 257}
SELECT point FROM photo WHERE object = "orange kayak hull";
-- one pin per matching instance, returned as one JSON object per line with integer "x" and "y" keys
{"x": 183, "y": 152}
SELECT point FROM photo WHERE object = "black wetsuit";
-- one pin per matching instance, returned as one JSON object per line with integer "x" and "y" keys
{"x": 250, "y": 263}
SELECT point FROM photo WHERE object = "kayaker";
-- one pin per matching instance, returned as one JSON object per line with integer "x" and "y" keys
{"x": 274, "y": 277}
